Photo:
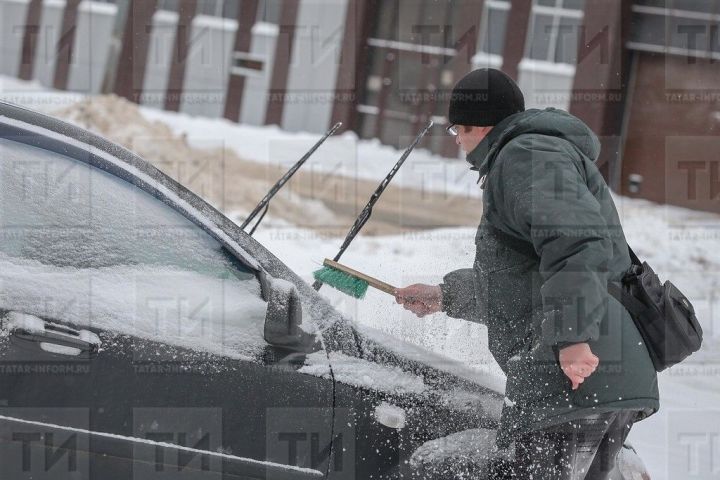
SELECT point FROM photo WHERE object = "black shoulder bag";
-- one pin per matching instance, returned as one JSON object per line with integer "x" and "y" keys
{"x": 663, "y": 315}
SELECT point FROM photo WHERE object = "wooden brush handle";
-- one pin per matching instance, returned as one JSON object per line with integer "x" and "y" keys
{"x": 373, "y": 282}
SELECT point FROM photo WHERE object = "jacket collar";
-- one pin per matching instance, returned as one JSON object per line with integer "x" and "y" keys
{"x": 479, "y": 157}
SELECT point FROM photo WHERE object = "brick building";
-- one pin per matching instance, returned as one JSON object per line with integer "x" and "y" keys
{"x": 643, "y": 74}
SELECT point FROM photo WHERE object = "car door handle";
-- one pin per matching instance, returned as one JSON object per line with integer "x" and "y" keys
{"x": 56, "y": 339}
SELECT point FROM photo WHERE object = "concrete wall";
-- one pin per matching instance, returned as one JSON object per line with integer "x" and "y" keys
{"x": 13, "y": 14}
{"x": 257, "y": 83}
{"x": 311, "y": 77}
{"x": 48, "y": 36}
{"x": 546, "y": 84}
{"x": 157, "y": 70}
{"x": 314, "y": 67}
{"x": 92, "y": 42}
{"x": 208, "y": 66}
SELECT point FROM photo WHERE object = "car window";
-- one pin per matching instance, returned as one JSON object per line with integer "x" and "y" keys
{"x": 84, "y": 246}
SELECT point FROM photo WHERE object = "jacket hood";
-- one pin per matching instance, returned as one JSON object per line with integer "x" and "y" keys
{"x": 550, "y": 122}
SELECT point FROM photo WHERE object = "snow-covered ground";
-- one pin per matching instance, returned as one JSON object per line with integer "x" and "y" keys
{"x": 342, "y": 155}
{"x": 678, "y": 442}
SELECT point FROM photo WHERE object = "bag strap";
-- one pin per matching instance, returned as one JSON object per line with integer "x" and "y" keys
{"x": 614, "y": 288}
{"x": 632, "y": 304}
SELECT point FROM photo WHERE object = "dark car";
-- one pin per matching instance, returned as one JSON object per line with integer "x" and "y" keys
{"x": 144, "y": 335}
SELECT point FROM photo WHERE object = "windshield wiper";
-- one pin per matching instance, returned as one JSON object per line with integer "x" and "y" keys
{"x": 262, "y": 207}
{"x": 367, "y": 211}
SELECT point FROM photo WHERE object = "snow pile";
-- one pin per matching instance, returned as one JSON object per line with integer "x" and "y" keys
{"x": 233, "y": 166}
{"x": 344, "y": 155}
{"x": 462, "y": 455}
{"x": 364, "y": 374}
{"x": 215, "y": 173}
{"x": 35, "y": 96}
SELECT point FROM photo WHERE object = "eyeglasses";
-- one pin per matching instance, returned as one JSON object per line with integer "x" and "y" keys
{"x": 452, "y": 130}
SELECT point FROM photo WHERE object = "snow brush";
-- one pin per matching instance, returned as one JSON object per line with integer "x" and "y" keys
{"x": 367, "y": 211}
{"x": 349, "y": 281}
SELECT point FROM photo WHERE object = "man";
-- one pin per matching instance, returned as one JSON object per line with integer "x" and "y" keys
{"x": 578, "y": 374}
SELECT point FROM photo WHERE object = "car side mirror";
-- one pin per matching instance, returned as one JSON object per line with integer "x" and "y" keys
{"x": 284, "y": 317}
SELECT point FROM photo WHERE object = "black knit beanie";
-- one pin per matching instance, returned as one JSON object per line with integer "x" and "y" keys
{"x": 483, "y": 97}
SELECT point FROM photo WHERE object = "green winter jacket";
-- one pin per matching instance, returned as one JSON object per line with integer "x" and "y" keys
{"x": 549, "y": 241}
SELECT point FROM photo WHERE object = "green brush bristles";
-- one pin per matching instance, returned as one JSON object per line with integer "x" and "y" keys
{"x": 342, "y": 281}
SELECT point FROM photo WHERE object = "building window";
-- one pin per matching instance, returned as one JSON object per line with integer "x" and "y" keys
{"x": 219, "y": 8}
{"x": 492, "y": 28}
{"x": 269, "y": 11}
{"x": 680, "y": 27}
{"x": 169, "y": 5}
{"x": 703, "y": 6}
{"x": 555, "y": 30}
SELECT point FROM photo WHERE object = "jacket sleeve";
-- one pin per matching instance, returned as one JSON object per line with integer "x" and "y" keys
{"x": 544, "y": 198}
{"x": 458, "y": 295}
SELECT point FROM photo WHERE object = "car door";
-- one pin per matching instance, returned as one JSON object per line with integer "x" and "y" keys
{"x": 132, "y": 331}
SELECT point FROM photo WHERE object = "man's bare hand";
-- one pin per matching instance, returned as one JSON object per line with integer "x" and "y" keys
{"x": 578, "y": 362}
{"x": 420, "y": 299}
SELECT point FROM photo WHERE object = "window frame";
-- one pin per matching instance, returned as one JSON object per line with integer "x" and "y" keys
{"x": 502, "y": 5}
{"x": 665, "y": 14}
{"x": 557, "y": 12}
{"x": 217, "y": 8}
{"x": 264, "y": 11}
{"x": 163, "y": 5}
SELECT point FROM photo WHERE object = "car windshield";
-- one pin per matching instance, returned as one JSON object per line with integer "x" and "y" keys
{"x": 83, "y": 246}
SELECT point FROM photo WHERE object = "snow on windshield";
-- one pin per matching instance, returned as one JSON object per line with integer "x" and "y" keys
{"x": 83, "y": 246}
